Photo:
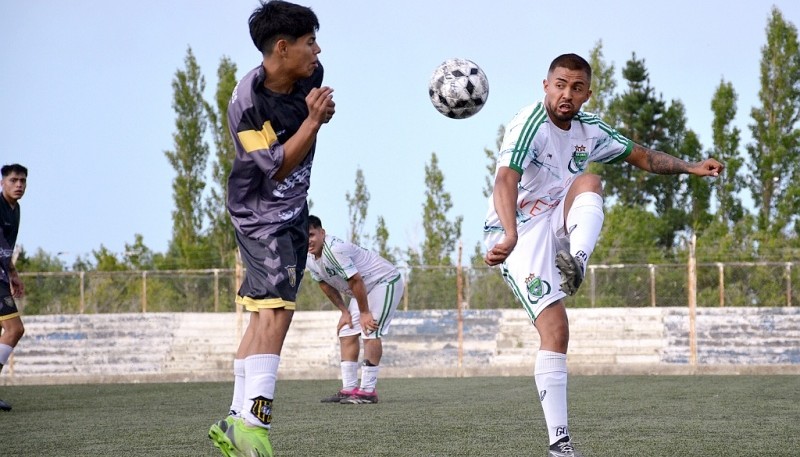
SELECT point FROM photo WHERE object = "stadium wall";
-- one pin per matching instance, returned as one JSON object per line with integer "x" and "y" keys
{"x": 186, "y": 347}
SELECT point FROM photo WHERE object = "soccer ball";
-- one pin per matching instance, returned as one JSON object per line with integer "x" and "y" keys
{"x": 458, "y": 88}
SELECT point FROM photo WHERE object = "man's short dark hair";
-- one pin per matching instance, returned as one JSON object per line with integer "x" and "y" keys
{"x": 314, "y": 222}
{"x": 279, "y": 19}
{"x": 572, "y": 62}
{"x": 13, "y": 168}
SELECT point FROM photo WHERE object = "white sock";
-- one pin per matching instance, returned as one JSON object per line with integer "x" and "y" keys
{"x": 586, "y": 216}
{"x": 260, "y": 373}
{"x": 238, "y": 387}
{"x": 349, "y": 375}
{"x": 551, "y": 380}
{"x": 5, "y": 353}
{"x": 369, "y": 377}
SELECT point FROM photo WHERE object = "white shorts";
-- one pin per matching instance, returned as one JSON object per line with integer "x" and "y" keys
{"x": 530, "y": 271}
{"x": 383, "y": 300}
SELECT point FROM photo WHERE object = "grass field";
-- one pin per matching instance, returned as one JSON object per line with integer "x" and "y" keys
{"x": 610, "y": 416}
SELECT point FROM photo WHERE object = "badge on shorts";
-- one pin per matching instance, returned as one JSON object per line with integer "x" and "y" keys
{"x": 537, "y": 288}
{"x": 292, "y": 272}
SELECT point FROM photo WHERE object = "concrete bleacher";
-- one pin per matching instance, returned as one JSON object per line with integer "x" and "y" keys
{"x": 200, "y": 346}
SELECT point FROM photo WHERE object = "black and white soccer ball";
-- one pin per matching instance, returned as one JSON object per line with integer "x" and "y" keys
{"x": 458, "y": 88}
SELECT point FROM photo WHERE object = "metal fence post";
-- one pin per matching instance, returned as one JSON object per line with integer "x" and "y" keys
{"x": 788, "y": 283}
{"x": 721, "y": 267}
{"x": 216, "y": 290}
{"x": 82, "y": 305}
{"x": 144, "y": 291}
{"x": 408, "y": 289}
{"x": 652, "y": 284}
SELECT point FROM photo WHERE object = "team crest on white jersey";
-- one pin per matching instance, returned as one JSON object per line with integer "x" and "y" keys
{"x": 579, "y": 158}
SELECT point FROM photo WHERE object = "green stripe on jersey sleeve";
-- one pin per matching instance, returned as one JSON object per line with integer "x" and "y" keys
{"x": 326, "y": 251}
{"x": 526, "y": 136}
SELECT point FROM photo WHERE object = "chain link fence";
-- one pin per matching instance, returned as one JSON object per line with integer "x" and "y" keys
{"x": 625, "y": 285}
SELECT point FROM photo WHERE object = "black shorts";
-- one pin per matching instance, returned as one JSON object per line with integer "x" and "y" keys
{"x": 8, "y": 308}
{"x": 275, "y": 267}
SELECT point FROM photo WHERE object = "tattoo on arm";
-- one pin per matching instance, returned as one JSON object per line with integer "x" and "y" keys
{"x": 662, "y": 163}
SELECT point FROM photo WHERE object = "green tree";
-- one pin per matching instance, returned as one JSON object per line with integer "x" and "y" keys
{"x": 647, "y": 119}
{"x": 441, "y": 234}
{"x": 382, "y": 241}
{"x": 432, "y": 280}
{"x": 138, "y": 256}
{"x": 726, "y": 150}
{"x": 41, "y": 261}
{"x": 105, "y": 260}
{"x": 775, "y": 177}
{"x": 357, "y": 205}
{"x": 630, "y": 235}
{"x": 47, "y": 291}
{"x": 603, "y": 82}
{"x": 189, "y": 161}
{"x": 220, "y": 229}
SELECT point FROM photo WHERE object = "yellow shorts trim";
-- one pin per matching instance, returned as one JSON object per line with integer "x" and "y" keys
{"x": 254, "y": 304}
{"x": 9, "y": 316}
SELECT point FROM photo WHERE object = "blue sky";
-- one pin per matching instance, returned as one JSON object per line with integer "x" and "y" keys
{"x": 86, "y": 96}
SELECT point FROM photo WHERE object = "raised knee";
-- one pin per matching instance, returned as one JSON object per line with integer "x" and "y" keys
{"x": 589, "y": 182}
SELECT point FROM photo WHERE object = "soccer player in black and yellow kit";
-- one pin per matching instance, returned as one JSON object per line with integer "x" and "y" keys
{"x": 274, "y": 116}
{"x": 14, "y": 183}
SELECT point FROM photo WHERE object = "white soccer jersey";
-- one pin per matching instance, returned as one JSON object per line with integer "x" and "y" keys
{"x": 549, "y": 159}
{"x": 341, "y": 260}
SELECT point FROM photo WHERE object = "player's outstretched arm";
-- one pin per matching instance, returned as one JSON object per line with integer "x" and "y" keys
{"x": 664, "y": 164}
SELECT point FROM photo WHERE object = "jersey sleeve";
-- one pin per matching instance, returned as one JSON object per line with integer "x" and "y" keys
{"x": 518, "y": 148}
{"x": 256, "y": 143}
{"x": 611, "y": 146}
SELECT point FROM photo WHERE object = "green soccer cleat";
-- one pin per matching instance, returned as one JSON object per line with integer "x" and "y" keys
{"x": 251, "y": 441}
{"x": 218, "y": 433}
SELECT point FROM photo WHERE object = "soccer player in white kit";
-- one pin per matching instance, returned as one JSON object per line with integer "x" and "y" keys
{"x": 374, "y": 287}
{"x": 545, "y": 216}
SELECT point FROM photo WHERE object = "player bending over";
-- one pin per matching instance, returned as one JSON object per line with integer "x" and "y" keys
{"x": 374, "y": 287}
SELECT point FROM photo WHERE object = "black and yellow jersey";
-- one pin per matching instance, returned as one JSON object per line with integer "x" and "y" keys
{"x": 260, "y": 122}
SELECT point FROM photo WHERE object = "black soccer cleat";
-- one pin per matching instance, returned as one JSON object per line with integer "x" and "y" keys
{"x": 571, "y": 269}
{"x": 563, "y": 448}
{"x": 4, "y": 406}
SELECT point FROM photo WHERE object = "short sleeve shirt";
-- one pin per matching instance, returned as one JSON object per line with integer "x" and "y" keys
{"x": 341, "y": 260}
{"x": 260, "y": 122}
{"x": 549, "y": 159}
